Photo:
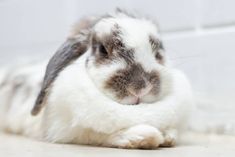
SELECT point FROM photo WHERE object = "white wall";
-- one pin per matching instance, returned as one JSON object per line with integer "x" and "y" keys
{"x": 199, "y": 36}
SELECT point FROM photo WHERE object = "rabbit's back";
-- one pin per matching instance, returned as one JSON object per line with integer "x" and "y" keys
{"x": 19, "y": 86}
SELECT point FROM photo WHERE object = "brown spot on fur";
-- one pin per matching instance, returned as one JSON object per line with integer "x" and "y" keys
{"x": 157, "y": 48}
{"x": 133, "y": 77}
{"x": 154, "y": 79}
{"x": 114, "y": 46}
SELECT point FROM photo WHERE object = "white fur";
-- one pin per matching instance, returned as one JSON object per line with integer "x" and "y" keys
{"x": 85, "y": 107}
{"x": 79, "y": 111}
{"x": 86, "y": 116}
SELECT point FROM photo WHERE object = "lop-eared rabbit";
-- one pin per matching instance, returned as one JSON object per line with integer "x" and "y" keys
{"x": 110, "y": 84}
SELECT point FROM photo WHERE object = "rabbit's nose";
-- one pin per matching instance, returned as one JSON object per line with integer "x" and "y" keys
{"x": 142, "y": 92}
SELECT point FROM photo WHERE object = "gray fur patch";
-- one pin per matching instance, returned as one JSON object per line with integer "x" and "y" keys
{"x": 132, "y": 77}
{"x": 112, "y": 42}
{"x": 67, "y": 53}
{"x": 157, "y": 48}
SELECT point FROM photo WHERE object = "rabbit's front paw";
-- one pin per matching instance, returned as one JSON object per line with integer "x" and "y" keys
{"x": 140, "y": 136}
{"x": 170, "y": 137}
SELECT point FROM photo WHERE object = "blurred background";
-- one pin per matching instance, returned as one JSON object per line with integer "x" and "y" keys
{"x": 198, "y": 35}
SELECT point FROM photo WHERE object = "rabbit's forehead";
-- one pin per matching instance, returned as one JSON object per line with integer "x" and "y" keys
{"x": 134, "y": 32}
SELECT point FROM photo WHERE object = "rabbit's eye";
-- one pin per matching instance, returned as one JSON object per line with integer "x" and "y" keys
{"x": 102, "y": 50}
{"x": 158, "y": 56}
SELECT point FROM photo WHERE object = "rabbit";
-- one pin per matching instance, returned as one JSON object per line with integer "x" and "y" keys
{"x": 111, "y": 85}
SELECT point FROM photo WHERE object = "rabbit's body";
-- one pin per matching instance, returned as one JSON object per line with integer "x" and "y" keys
{"x": 93, "y": 118}
{"x": 125, "y": 97}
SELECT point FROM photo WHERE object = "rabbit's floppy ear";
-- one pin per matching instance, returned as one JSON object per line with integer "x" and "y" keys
{"x": 72, "y": 49}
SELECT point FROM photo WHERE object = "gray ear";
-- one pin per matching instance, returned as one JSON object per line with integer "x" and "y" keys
{"x": 72, "y": 49}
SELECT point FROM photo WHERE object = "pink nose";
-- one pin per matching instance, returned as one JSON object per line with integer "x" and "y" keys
{"x": 141, "y": 92}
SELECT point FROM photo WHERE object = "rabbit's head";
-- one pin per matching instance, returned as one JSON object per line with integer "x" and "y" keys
{"x": 125, "y": 58}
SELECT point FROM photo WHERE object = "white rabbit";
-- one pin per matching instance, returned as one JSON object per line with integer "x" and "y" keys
{"x": 110, "y": 85}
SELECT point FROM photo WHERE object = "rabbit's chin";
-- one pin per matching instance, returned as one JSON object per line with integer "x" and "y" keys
{"x": 132, "y": 100}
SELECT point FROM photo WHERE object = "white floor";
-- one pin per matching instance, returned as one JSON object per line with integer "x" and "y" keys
{"x": 191, "y": 144}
